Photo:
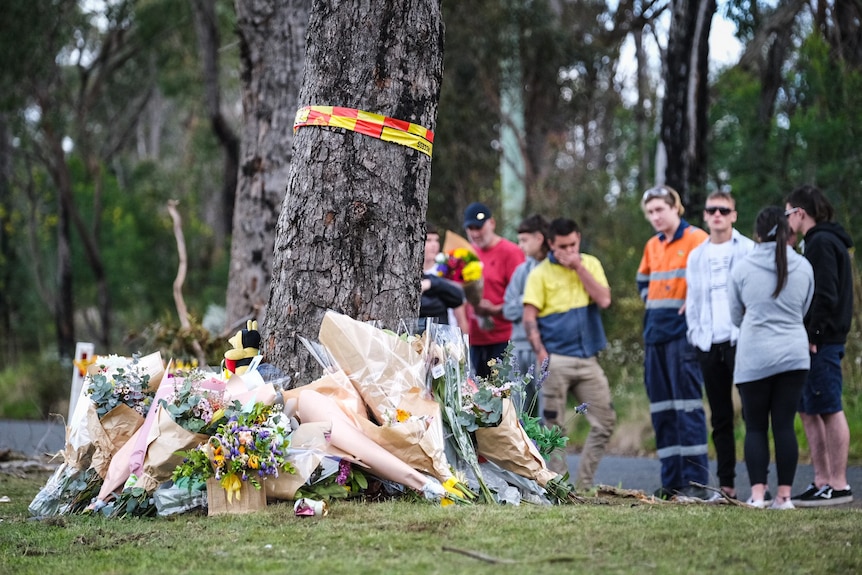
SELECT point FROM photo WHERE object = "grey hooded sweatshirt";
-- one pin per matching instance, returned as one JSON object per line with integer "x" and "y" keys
{"x": 772, "y": 336}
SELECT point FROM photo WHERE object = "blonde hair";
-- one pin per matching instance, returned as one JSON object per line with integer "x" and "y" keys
{"x": 665, "y": 193}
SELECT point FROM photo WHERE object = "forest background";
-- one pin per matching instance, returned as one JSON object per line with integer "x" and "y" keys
{"x": 109, "y": 110}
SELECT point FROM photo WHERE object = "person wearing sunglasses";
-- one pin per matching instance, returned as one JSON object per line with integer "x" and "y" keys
{"x": 710, "y": 329}
{"x": 826, "y": 246}
{"x": 672, "y": 375}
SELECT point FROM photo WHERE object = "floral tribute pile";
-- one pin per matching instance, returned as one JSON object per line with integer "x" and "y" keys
{"x": 189, "y": 431}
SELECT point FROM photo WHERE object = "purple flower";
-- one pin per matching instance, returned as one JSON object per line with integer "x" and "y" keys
{"x": 582, "y": 408}
{"x": 343, "y": 472}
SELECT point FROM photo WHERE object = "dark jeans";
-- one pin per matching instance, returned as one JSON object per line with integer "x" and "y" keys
{"x": 717, "y": 367}
{"x": 773, "y": 398}
{"x": 480, "y": 355}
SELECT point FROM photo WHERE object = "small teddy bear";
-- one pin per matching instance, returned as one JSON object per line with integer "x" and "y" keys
{"x": 246, "y": 345}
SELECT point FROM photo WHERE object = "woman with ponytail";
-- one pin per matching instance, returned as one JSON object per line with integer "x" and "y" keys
{"x": 770, "y": 291}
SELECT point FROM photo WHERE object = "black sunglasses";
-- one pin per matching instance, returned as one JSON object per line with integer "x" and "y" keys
{"x": 720, "y": 209}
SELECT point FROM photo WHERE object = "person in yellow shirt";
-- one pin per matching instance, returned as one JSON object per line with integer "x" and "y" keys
{"x": 562, "y": 299}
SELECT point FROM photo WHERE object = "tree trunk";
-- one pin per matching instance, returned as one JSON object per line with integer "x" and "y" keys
{"x": 206, "y": 28}
{"x": 8, "y": 347}
{"x": 272, "y": 41}
{"x": 642, "y": 119}
{"x": 350, "y": 234}
{"x": 64, "y": 318}
{"x": 685, "y": 108}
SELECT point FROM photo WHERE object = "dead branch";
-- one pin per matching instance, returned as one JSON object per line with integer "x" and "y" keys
{"x": 182, "y": 311}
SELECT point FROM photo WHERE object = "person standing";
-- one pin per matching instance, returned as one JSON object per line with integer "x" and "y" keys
{"x": 489, "y": 330}
{"x": 671, "y": 373}
{"x": 441, "y": 298}
{"x": 710, "y": 330}
{"x": 770, "y": 292}
{"x": 562, "y": 299}
{"x": 826, "y": 245}
{"x": 532, "y": 239}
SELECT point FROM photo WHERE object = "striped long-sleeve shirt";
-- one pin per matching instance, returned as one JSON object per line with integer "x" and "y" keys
{"x": 661, "y": 282}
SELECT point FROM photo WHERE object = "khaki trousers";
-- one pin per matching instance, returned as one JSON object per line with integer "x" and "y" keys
{"x": 586, "y": 380}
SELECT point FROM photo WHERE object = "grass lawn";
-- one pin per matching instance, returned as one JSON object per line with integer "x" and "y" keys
{"x": 609, "y": 534}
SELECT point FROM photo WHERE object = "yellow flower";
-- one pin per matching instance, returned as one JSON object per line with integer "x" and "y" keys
{"x": 449, "y": 486}
{"x": 445, "y": 502}
{"x": 401, "y": 415}
{"x": 460, "y": 253}
{"x": 472, "y": 272}
{"x": 253, "y": 461}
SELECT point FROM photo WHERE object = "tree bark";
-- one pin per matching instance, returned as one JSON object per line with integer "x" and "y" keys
{"x": 272, "y": 48}
{"x": 206, "y": 28}
{"x": 350, "y": 234}
{"x": 686, "y": 102}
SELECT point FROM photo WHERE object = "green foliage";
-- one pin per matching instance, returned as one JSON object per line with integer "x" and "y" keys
{"x": 126, "y": 385}
{"x": 547, "y": 439}
{"x": 348, "y": 482}
{"x": 197, "y": 409}
{"x": 134, "y": 502}
{"x": 34, "y": 388}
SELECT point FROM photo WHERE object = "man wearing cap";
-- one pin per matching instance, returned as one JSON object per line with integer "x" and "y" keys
{"x": 672, "y": 376}
{"x": 499, "y": 257}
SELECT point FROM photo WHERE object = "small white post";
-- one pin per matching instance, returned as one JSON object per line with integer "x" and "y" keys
{"x": 83, "y": 351}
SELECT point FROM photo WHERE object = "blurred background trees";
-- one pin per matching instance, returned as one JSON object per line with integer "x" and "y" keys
{"x": 108, "y": 109}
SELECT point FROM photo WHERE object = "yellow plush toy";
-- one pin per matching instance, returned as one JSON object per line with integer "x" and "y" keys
{"x": 246, "y": 345}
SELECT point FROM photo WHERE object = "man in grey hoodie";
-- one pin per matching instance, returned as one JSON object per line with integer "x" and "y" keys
{"x": 826, "y": 246}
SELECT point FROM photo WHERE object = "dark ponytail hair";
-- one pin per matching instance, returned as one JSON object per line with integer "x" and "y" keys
{"x": 771, "y": 226}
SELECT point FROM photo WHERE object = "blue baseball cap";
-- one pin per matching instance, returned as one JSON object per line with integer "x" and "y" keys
{"x": 476, "y": 215}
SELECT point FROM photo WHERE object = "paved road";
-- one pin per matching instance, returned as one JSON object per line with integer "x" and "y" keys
{"x": 40, "y": 437}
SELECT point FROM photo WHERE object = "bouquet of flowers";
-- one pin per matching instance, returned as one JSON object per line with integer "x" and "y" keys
{"x": 389, "y": 374}
{"x": 120, "y": 398}
{"x": 119, "y": 381}
{"x": 500, "y": 436}
{"x": 458, "y": 262}
{"x": 247, "y": 448}
{"x": 462, "y": 265}
{"x": 193, "y": 406}
{"x": 326, "y": 484}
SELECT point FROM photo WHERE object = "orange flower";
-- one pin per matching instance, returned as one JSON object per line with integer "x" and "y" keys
{"x": 402, "y": 415}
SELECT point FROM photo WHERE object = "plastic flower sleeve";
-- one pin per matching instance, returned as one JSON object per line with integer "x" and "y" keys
{"x": 448, "y": 372}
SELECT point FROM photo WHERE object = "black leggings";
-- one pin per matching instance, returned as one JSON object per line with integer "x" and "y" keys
{"x": 778, "y": 396}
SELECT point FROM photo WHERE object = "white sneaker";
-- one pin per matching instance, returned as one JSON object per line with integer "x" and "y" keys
{"x": 759, "y": 503}
{"x": 787, "y": 504}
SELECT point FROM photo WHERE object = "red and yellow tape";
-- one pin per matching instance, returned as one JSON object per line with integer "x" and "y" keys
{"x": 374, "y": 125}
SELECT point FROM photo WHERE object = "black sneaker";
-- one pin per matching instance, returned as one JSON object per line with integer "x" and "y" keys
{"x": 663, "y": 493}
{"x": 807, "y": 494}
{"x": 823, "y": 497}
{"x": 840, "y": 496}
